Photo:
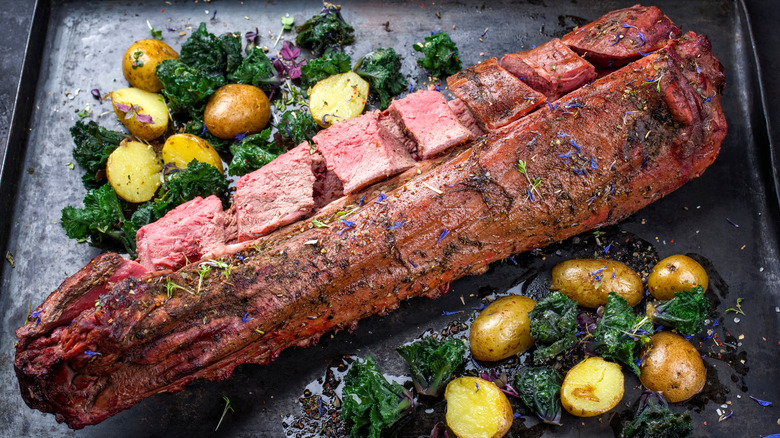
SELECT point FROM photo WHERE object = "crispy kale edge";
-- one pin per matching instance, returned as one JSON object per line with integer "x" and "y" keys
{"x": 654, "y": 419}
{"x": 432, "y": 363}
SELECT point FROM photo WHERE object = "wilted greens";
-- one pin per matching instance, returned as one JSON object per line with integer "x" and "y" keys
{"x": 432, "y": 363}
{"x": 329, "y": 64}
{"x": 440, "y": 55}
{"x": 620, "y": 332}
{"x": 540, "y": 390}
{"x": 553, "y": 325}
{"x": 186, "y": 88}
{"x": 253, "y": 152}
{"x": 654, "y": 420}
{"x": 685, "y": 312}
{"x": 326, "y": 30}
{"x": 93, "y": 146}
{"x": 100, "y": 221}
{"x": 297, "y": 127}
{"x": 382, "y": 69}
{"x": 256, "y": 69}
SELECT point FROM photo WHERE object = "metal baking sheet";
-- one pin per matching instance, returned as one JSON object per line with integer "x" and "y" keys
{"x": 727, "y": 218}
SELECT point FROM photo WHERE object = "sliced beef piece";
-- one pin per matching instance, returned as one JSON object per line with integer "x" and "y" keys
{"x": 360, "y": 152}
{"x": 495, "y": 96}
{"x": 465, "y": 117}
{"x": 622, "y": 36}
{"x": 552, "y": 69}
{"x": 389, "y": 124}
{"x": 183, "y": 235}
{"x": 276, "y": 194}
{"x": 327, "y": 186}
{"x": 426, "y": 118}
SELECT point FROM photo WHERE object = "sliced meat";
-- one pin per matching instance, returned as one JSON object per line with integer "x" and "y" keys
{"x": 390, "y": 125}
{"x": 552, "y": 69}
{"x": 183, "y": 235}
{"x": 622, "y": 36}
{"x": 495, "y": 96}
{"x": 427, "y": 119}
{"x": 361, "y": 152}
{"x": 327, "y": 186}
{"x": 276, "y": 194}
{"x": 465, "y": 117}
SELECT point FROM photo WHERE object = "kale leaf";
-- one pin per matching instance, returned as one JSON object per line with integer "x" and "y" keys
{"x": 100, "y": 221}
{"x": 93, "y": 146}
{"x": 297, "y": 127}
{"x": 257, "y": 70}
{"x": 325, "y": 30}
{"x": 685, "y": 312}
{"x": 432, "y": 362}
{"x": 540, "y": 390}
{"x": 371, "y": 403}
{"x": 440, "y": 55}
{"x": 382, "y": 69}
{"x": 619, "y": 332}
{"x": 553, "y": 325}
{"x": 198, "y": 179}
{"x": 254, "y": 152}
{"x": 329, "y": 64}
{"x": 654, "y": 419}
{"x": 205, "y": 52}
{"x": 186, "y": 88}
{"x": 231, "y": 45}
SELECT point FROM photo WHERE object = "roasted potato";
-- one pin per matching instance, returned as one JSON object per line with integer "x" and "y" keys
{"x": 589, "y": 281}
{"x": 134, "y": 171}
{"x": 180, "y": 149}
{"x": 592, "y": 387}
{"x": 139, "y": 64}
{"x": 672, "y": 366}
{"x": 675, "y": 274}
{"x": 502, "y": 329}
{"x": 338, "y": 97}
{"x": 236, "y": 109}
{"x": 476, "y": 408}
{"x": 144, "y": 114}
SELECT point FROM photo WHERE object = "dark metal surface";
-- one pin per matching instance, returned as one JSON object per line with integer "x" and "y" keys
{"x": 79, "y": 47}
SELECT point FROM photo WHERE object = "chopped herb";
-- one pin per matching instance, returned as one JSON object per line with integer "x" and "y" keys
{"x": 553, "y": 323}
{"x": 654, "y": 419}
{"x": 432, "y": 363}
{"x": 325, "y": 30}
{"x": 156, "y": 34}
{"x": 224, "y": 411}
{"x": 137, "y": 63}
{"x": 319, "y": 224}
{"x": 84, "y": 113}
{"x": 540, "y": 390}
{"x": 739, "y": 307}
{"x": 440, "y": 55}
{"x": 287, "y": 22}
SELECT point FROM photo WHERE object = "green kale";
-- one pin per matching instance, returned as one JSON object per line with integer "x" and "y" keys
{"x": 655, "y": 420}
{"x": 685, "y": 312}
{"x": 329, "y": 64}
{"x": 93, "y": 146}
{"x": 205, "y": 52}
{"x": 382, "y": 69}
{"x": 553, "y": 325}
{"x": 297, "y": 127}
{"x": 197, "y": 127}
{"x": 432, "y": 362}
{"x": 257, "y": 70}
{"x": 620, "y": 332}
{"x": 198, "y": 179}
{"x": 325, "y": 30}
{"x": 371, "y": 403}
{"x": 231, "y": 45}
{"x": 540, "y": 390}
{"x": 100, "y": 221}
{"x": 252, "y": 153}
{"x": 440, "y": 55}
{"x": 186, "y": 88}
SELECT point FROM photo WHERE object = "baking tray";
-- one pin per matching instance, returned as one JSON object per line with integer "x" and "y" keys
{"x": 727, "y": 218}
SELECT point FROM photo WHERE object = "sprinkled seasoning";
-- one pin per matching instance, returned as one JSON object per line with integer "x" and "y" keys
{"x": 35, "y": 316}
{"x": 381, "y": 198}
{"x": 246, "y": 318}
{"x": 446, "y": 313}
{"x": 443, "y": 235}
{"x": 91, "y": 353}
{"x": 762, "y": 402}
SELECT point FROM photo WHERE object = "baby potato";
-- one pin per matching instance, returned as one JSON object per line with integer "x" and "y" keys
{"x": 675, "y": 274}
{"x": 144, "y": 114}
{"x": 180, "y": 149}
{"x": 134, "y": 171}
{"x": 476, "y": 408}
{"x": 338, "y": 97}
{"x": 502, "y": 329}
{"x": 672, "y": 366}
{"x": 589, "y": 281}
{"x": 236, "y": 109}
{"x": 592, "y": 387}
{"x": 139, "y": 63}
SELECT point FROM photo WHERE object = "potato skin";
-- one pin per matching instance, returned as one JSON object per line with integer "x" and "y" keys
{"x": 140, "y": 60}
{"x": 592, "y": 387}
{"x": 134, "y": 171}
{"x": 589, "y": 281}
{"x": 672, "y": 366}
{"x": 148, "y": 104}
{"x": 180, "y": 149}
{"x": 236, "y": 109}
{"x": 502, "y": 329}
{"x": 476, "y": 408}
{"x": 674, "y": 274}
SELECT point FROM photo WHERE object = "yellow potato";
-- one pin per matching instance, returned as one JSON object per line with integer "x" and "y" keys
{"x": 144, "y": 114}
{"x": 139, "y": 63}
{"x": 236, "y": 109}
{"x": 589, "y": 281}
{"x": 675, "y": 274}
{"x": 672, "y": 366}
{"x": 180, "y": 149}
{"x": 476, "y": 408}
{"x": 502, "y": 329}
{"x": 338, "y": 97}
{"x": 134, "y": 171}
{"x": 592, "y": 387}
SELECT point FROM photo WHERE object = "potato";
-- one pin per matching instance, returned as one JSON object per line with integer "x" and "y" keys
{"x": 476, "y": 408}
{"x": 589, "y": 281}
{"x": 144, "y": 114}
{"x": 672, "y": 366}
{"x": 592, "y": 387}
{"x": 338, "y": 97}
{"x": 236, "y": 109}
{"x": 675, "y": 274}
{"x": 180, "y": 149}
{"x": 502, "y": 329}
{"x": 134, "y": 171}
{"x": 139, "y": 63}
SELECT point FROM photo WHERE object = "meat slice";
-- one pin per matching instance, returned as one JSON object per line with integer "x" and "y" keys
{"x": 276, "y": 194}
{"x": 622, "y": 36}
{"x": 327, "y": 186}
{"x": 465, "y": 117}
{"x": 495, "y": 96}
{"x": 552, "y": 69}
{"x": 361, "y": 152}
{"x": 426, "y": 118}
